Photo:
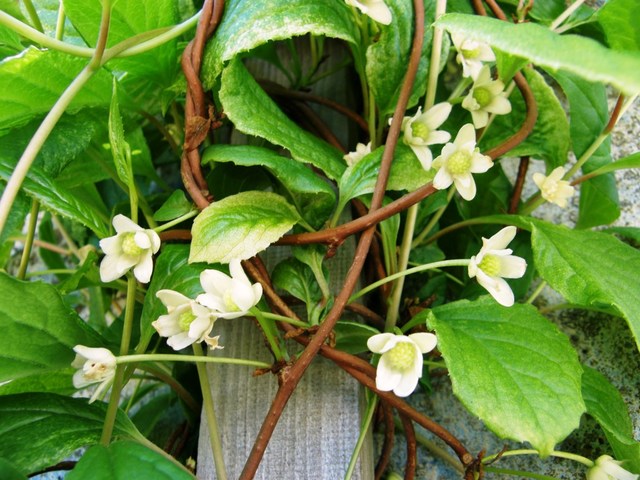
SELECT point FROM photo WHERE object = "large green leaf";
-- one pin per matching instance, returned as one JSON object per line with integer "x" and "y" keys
{"x": 549, "y": 139}
{"x": 607, "y": 407}
{"x": 9, "y": 472}
{"x": 172, "y": 271}
{"x": 254, "y": 113}
{"x": 247, "y": 24}
{"x": 387, "y": 58}
{"x": 589, "y": 116}
{"x": 240, "y": 226}
{"x": 39, "y": 330}
{"x": 126, "y": 460}
{"x": 312, "y": 196}
{"x": 34, "y": 80}
{"x": 589, "y": 268}
{"x": 512, "y": 368}
{"x": 157, "y": 66}
{"x": 59, "y": 382}
{"x": 582, "y": 56}
{"x": 40, "y": 429}
{"x": 619, "y": 20}
{"x": 406, "y": 174}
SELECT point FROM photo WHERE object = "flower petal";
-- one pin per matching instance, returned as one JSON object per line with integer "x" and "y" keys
{"x": 215, "y": 282}
{"x": 499, "y": 105}
{"x": 465, "y": 185}
{"x": 497, "y": 288}
{"x": 123, "y": 224}
{"x": 111, "y": 245}
{"x": 171, "y": 298}
{"x": 378, "y": 343}
{"x": 180, "y": 341}
{"x": 406, "y": 385}
{"x": 500, "y": 239}
{"x": 480, "y": 163}
{"x": 143, "y": 270}
{"x": 109, "y": 269}
{"x": 424, "y": 155}
{"x": 142, "y": 240}
{"x": 467, "y": 134}
{"x": 438, "y": 137}
{"x": 214, "y": 302}
{"x": 437, "y": 115}
{"x": 512, "y": 266}
{"x": 386, "y": 377}
{"x": 442, "y": 180}
{"x": 424, "y": 341}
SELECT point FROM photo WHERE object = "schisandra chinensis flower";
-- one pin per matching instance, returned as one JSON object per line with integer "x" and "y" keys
{"x": 361, "y": 151}
{"x": 552, "y": 188}
{"x": 494, "y": 263}
{"x": 132, "y": 246}
{"x": 375, "y": 9}
{"x": 229, "y": 296}
{"x": 458, "y": 161}
{"x": 420, "y": 131}
{"x": 96, "y": 365}
{"x": 471, "y": 54}
{"x": 400, "y": 366}
{"x": 186, "y": 322}
{"x": 485, "y": 97}
{"x": 606, "y": 468}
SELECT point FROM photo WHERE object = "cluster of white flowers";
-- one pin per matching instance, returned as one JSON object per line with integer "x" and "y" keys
{"x": 360, "y": 152}
{"x": 486, "y": 96}
{"x": 471, "y": 54}
{"x": 420, "y": 131}
{"x": 552, "y": 188}
{"x": 96, "y": 365}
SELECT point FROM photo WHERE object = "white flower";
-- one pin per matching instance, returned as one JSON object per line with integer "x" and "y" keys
{"x": 606, "y": 468}
{"x": 96, "y": 365}
{"x": 494, "y": 263}
{"x": 552, "y": 188}
{"x": 132, "y": 246}
{"x": 362, "y": 150}
{"x": 186, "y": 322}
{"x": 485, "y": 97}
{"x": 376, "y": 9}
{"x": 458, "y": 161}
{"x": 229, "y": 296}
{"x": 471, "y": 54}
{"x": 420, "y": 131}
{"x": 400, "y": 366}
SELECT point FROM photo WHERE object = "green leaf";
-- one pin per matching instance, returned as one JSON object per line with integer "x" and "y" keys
{"x": 240, "y": 226}
{"x": 158, "y": 66}
{"x": 34, "y": 80}
{"x": 549, "y": 139}
{"x": 387, "y": 58}
{"x": 172, "y": 271}
{"x": 254, "y": 113}
{"x": 119, "y": 147}
{"x": 582, "y": 56}
{"x": 508, "y": 65}
{"x": 41, "y": 187}
{"x": 406, "y": 174}
{"x": 632, "y": 161}
{"x": 39, "y": 330}
{"x": 40, "y": 429}
{"x": 619, "y": 20}
{"x": 175, "y": 206}
{"x": 126, "y": 460}
{"x": 9, "y": 472}
{"x": 313, "y": 197}
{"x": 351, "y": 337}
{"x": 631, "y": 233}
{"x": 589, "y": 115}
{"x": 297, "y": 279}
{"x": 605, "y": 404}
{"x": 59, "y": 382}
{"x": 247, "y": 24}
{"x": 589, "y": 268}
{"x": 512, "y": 368}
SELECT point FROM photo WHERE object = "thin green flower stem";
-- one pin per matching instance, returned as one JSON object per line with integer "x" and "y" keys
{"x": 519, "y": 473}
{"x": 274, "y": 344}
{"x": 434, "y": 365}
{"x": 536, "y": 292}
{"x": 33, "y": 15}
{"x": 575, "y": 306}
{"x": 282, "y": 318}
{"x": 421, "y": 268}
{"x": 50, "y": 121}
{"x": 186, "y": 216}
{"x": 456, "y": 226}
{"x": 556, "y": 453}
{"x": 436, "y": 51}
{"x": 460, "y": 87}
{"x": 403, "y": 259}
{"x": 212, "y": 421}
{"x": 60, "y": 22}
{"x": 118, "y": 379}
{"x": 566, "y": 14}
{"x": 434, "y": 219}
{"x": 372, "y": 402}
{"x": 28, "y": 242}
{"x": 174, "y": 357}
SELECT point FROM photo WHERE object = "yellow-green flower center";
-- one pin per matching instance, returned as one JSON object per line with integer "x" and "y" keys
{"x": 229, "y": 303}
{"x": 482, "y": 96}
{"x": 459, "y": 162}
{"x": 470, "y": 53}
{"x": 185, "y": 320}
{"x": 401, "y": 356}
{"x": 490, "y": 265}
{"x": 129, "y": 245}
{"x": 420, "y": 130}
